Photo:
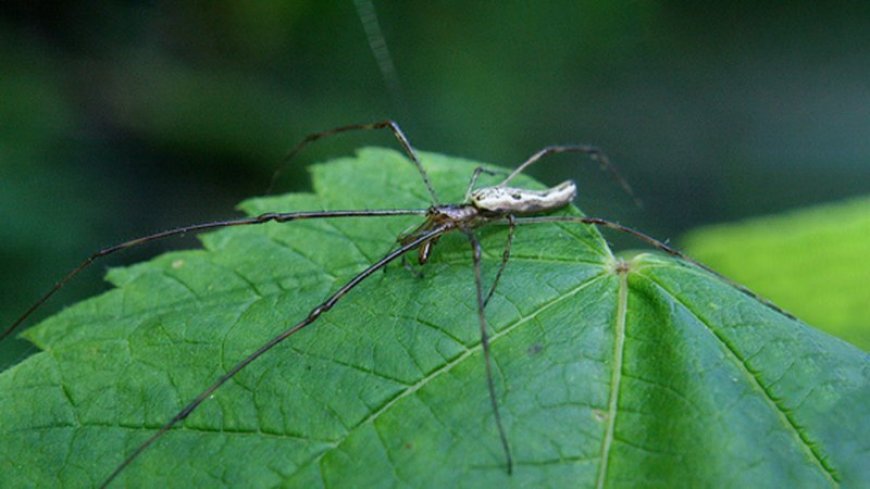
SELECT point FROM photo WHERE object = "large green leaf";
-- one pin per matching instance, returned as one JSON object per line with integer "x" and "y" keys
{"x": 661, "y": 376}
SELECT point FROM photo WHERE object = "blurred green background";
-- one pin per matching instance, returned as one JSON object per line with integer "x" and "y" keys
{"x": 123, "y": 118}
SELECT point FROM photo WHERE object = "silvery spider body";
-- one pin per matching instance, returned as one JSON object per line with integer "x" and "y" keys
{"x": 510, "y": 200}
{"x": 488, "y": 203}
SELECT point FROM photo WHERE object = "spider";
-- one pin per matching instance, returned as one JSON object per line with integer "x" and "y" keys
{"x": 482, "y": 208}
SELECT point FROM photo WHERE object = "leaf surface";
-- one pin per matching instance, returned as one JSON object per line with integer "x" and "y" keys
{"x": 658, "y": 376}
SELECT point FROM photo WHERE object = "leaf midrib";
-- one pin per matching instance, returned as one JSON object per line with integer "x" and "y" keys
{"x": 615, "y": 377}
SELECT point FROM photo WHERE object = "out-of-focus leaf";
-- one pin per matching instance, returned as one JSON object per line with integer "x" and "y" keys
{"x": 814, "y": 262}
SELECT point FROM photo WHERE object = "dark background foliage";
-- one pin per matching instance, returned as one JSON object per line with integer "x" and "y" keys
{"x": 123, "y": 118}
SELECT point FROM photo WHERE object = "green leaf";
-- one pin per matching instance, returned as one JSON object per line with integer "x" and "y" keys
{"x": 645, "y": 373}
{"x": 813, "y": 262}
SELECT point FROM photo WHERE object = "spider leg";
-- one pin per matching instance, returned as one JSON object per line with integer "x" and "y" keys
{"x": 385, "y": 124}
{"x": 484, "y": 342}
{"x": 596, "y": 221}
{"x": 594, "y": 153}
{"x": 474, "y": 176}
{"x": 273, "y": 216}
{"x": 505, "y": 256}
{"x": 315, "y": 313}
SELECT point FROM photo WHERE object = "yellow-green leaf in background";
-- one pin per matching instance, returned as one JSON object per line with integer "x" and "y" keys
{"x": 813, "y": 262}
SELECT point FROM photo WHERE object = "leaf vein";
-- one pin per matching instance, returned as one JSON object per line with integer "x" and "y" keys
{"x": 447, "y": 367}
{"x": 615, "y": 378}
{"x": 784, "y": 414}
